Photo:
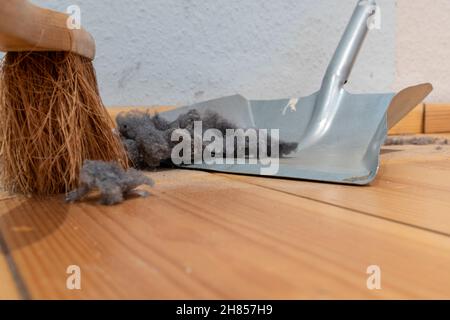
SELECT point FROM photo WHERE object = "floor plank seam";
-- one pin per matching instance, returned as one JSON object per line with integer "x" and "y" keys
{"x": 18, "y": 280}
{"x": 447, "y": 235}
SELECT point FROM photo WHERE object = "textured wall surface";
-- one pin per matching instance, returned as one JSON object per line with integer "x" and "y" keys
{"x": 181, "y": 51}
{"x": 423, "y": 45}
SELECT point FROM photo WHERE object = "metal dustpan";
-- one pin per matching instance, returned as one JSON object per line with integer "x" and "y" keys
{"x": 339, "y": 134}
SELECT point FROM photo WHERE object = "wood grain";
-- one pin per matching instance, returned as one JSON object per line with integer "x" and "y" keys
{"x": 437, "y": 118}
{"x": 213, "y": 236}
{"x": 27, "y": 27}
{"x": 412, "y": 188}
{"x": 413, "y": 123}
{"x": 8, "y": 289}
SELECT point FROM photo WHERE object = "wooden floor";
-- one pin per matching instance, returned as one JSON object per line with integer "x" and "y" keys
{"x": 207, "y": 236}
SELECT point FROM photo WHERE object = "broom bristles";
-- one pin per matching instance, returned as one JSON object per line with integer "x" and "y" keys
{"x": 51, "y": 120}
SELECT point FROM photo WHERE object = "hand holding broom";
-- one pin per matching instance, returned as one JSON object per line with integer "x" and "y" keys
{"x": 51, "y": 115}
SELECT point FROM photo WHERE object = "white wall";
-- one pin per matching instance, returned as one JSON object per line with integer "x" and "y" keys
{"x": 423, "y": 45}
{"x": 180, "y": 51}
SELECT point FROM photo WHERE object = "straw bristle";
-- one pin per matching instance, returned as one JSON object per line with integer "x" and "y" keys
{"x": 51, "y": 120}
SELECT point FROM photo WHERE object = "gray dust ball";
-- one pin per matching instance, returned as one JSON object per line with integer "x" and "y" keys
{"x": 415, "y": 140}
{"x": 113, "y": 182}
{"x": 148, "y": 142}
{"x": 143, "y": 138}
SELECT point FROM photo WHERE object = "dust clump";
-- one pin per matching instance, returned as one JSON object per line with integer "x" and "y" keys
{"x": 113, "y": 182}
{"x": 147, "y": 138}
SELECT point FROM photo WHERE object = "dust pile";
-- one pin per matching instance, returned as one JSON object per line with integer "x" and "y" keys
{"x": 147, "y": 138}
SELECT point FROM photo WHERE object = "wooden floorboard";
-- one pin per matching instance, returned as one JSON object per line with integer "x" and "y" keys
{"x": 8, "y": 288}
{"x": 207, "y": 236}
{"x": 412, "y": 187}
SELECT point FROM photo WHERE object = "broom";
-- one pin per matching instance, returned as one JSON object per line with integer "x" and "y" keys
{"x": 51, "y": 115}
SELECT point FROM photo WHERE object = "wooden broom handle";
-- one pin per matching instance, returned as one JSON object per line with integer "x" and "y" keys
{"x": 27, "y": 27}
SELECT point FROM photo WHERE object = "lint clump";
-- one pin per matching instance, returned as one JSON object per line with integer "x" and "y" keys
{"x": 147, "y": 138}
{"x": 111, "y": 180}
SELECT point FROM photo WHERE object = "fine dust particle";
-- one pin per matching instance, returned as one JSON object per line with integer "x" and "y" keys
{"x": 22, "y": 229}
{"x": 416, "y": 140}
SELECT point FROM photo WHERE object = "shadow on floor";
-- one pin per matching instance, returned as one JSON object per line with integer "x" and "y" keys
{"x": 25, "y": 221}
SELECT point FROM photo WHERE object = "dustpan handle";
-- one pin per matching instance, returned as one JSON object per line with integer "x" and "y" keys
{"x": 338, "y": 72}
{"x": 346, "y": 53}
